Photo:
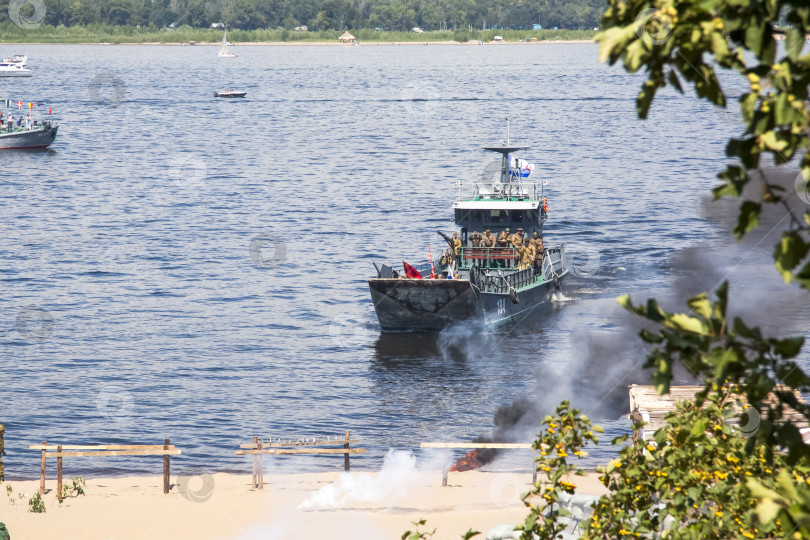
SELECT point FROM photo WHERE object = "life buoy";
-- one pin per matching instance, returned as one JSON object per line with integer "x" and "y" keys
{"x": 513, "y": 295}
{"x": 545, "y": 206}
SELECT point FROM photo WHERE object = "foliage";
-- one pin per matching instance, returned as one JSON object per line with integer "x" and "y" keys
{"x": 564, "y": 434}
{"x": 338, "y": 15}
{"x": 690, "y": 481}
{"x": 416, "y": 534}
{"x": 74, "y": 489}
{"x": 707, "y": 345}
{"x": 686, "y": 40}
{"x": 36, "y": 504}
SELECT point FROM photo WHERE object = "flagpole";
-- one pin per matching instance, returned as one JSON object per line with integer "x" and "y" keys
{"x": 430, "y": 260}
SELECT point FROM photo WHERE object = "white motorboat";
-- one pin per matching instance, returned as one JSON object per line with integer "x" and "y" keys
{"x": 13, "y": 69}
{"x": 223, "y": 48}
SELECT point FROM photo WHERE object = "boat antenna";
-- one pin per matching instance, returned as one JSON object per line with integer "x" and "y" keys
{"x": 507, "y": 131}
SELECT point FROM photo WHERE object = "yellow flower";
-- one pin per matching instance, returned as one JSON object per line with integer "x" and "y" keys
{"x": 718, "y": 513}
{"x": 717, "y": 23}
{"x": 651, "y": 448}
{"x": 753, "y": 77}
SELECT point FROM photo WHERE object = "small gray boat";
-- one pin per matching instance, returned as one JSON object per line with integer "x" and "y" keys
{"x": 41, "y": 135}
{"x": 230, "y": 94}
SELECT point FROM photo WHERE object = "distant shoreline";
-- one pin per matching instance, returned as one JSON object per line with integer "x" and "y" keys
{"x": 320, "y": 43}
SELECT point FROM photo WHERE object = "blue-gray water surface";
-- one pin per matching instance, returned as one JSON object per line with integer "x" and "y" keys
{"x": 178, "y": 266}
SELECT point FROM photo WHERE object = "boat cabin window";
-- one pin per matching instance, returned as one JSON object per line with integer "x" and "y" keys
{"x": 468, "y": 216}
{"x": 498, "y": 217}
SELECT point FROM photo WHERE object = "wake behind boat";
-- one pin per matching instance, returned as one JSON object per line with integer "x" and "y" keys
{"x": 492, "y": 278}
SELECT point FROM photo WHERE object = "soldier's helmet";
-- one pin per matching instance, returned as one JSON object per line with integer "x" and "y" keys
{"x": 507, "y": 229}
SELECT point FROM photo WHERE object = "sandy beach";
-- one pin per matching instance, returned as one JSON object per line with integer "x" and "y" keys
{"x": 330, "y": 505}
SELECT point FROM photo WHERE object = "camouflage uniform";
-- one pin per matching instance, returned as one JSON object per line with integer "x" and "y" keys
{"x": 488, "y": 240}
{"x": 503, "y": 238}
{"x": 476, "y": 239}
{"x": 539, "y": 249}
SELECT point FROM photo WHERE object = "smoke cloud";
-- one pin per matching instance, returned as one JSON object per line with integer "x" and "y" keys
{"x": 604, "y": 363}
{"x": 392, "y": 482}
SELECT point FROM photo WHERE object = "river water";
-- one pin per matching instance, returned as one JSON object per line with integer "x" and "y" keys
{"x": 178, "y": 266}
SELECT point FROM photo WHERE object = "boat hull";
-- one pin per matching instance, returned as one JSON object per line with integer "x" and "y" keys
{"x": 35, "y": 138}
{"x": 430, "y": 305}
{"x": 16, "y": 73}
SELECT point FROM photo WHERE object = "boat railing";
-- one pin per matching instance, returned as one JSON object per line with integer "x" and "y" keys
{"x": 515, "y": 190}
{"x": 553, "y": 262}
{"x": 488, "y": 257}
{"x": 498, "y": 282}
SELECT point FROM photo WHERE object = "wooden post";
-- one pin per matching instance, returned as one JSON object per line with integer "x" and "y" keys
{"x": 346, "y": 455}
{"x": 59, "y": 473}
{"x": 534, "y": 470}
{"x": 166, "y": 468}
{"x": 42, "y": 470}
{"x": 260, "y": 469}
{"x": 254, "y": 481}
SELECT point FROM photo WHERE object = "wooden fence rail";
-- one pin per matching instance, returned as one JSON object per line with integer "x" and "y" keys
{"x": 478, "y": 446}
{"x": 60, "y": 451}
{"x": 282, "y": 446}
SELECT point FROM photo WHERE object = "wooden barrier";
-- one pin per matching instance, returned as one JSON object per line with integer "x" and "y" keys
{"x": 478, "y": 446}
{"x": 281, "y": 446}
{"x": 101, "y": 450}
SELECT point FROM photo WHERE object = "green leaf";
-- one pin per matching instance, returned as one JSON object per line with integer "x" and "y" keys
{"x": 794, "y": 41}
{"x": 690, "y": 324}
{"x": 645, "y": 98}
{"x": 789, "y": 252}
{"x": 672, "y": 77}
{"x": 469, "y": 534}
{"x": 767, "y": 510}
{"x": 699, "y": 427}
{"x": 748, "y": 218}
{"x": 788, "y": 347}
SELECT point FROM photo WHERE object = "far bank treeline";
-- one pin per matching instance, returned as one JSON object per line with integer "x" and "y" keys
{"x": 317, "y": 15}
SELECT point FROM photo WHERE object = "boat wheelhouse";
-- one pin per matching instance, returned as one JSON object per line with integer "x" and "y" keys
{"x": 490, "y": 285}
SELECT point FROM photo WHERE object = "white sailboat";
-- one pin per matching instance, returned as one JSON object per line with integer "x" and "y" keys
{"x": 223, "y": 48}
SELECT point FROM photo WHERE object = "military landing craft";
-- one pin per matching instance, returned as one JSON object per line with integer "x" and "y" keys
{"x": 490, "y": 286}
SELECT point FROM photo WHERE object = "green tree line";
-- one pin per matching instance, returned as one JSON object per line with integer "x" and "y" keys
{"x": 317, "y": 15}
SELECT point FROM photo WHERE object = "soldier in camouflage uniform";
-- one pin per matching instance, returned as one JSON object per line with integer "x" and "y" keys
{"x": 476, "y": 239}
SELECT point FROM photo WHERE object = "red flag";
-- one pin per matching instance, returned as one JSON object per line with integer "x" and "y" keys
{"x": 30, "y": 106}
{"x": 19, "y": 104}
{"x": 410, "y": 271}
{"x": 49, "y": 109}
{"x": 430, "y": 258}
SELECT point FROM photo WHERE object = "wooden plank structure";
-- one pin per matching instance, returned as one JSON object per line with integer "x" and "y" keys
{"x": 646, "y": 405}
{"x": 477, "y": 446}
{"x": 290, "y": 446}
{"x": 101, "y": 450}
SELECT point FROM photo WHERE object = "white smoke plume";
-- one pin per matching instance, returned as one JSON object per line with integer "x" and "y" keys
{"x": 394, "y": 479}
